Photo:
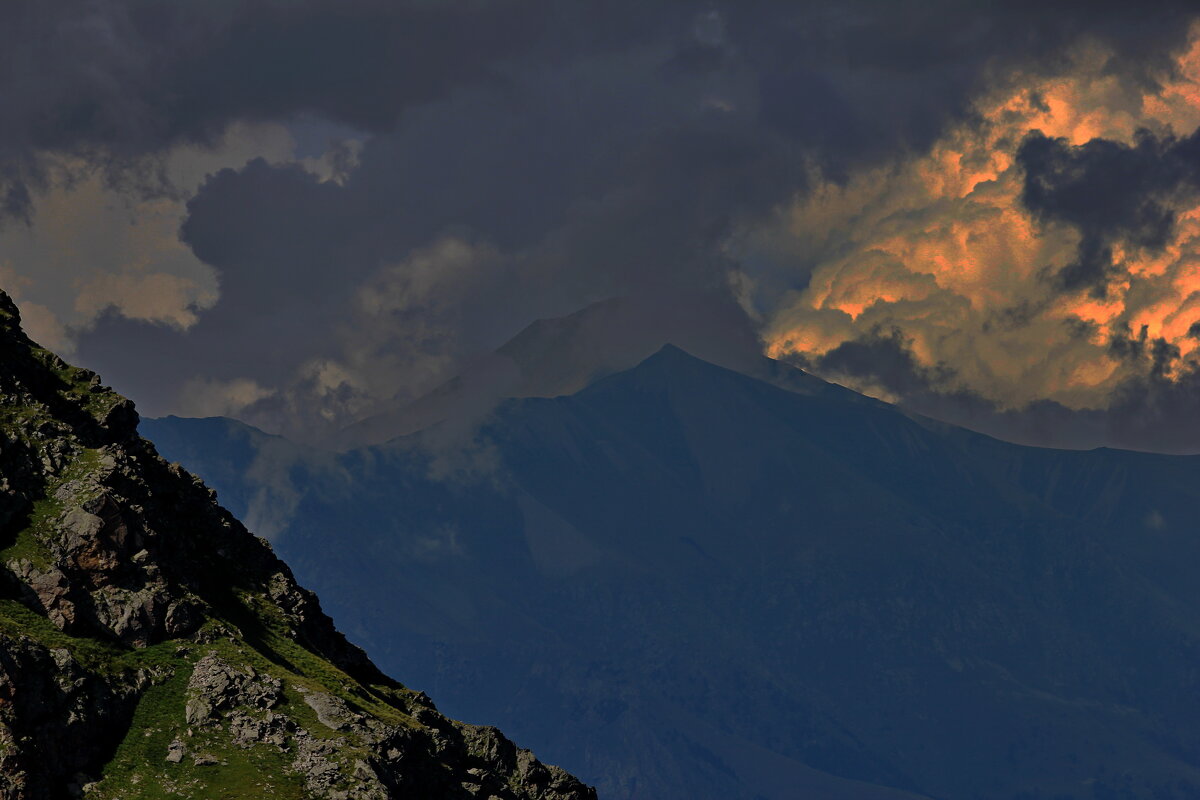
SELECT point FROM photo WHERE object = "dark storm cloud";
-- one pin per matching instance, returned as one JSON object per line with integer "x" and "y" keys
{"x": 135, "y": 76}
{"x": 606, "y": 177}
{"x": 116, "y": 80}
{"x": 1154, "y": 409}
{"x": 139, "y": 74}
{"x": 858, "y": 80}
{"x": 1157, "y": 414}
{"x": 882, "y": 356}
{"x": 1111, "y": 192}
{"x": 1139, "y": 419}
{"x": 1157, "y": 353}
{"x": 250, "y": 216}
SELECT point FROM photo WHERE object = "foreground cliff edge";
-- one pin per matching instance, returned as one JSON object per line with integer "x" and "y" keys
{"x": 151, "y": 647}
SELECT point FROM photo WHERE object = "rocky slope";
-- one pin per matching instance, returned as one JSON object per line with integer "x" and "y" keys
{"x": 151, "y": 647}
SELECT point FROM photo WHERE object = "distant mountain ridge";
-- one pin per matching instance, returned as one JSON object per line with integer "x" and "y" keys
{"x": 562, "y": 355}
{"x": 697, "y": 584}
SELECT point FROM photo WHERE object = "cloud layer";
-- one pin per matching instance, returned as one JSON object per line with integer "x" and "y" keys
{"x": 299, "y": 212}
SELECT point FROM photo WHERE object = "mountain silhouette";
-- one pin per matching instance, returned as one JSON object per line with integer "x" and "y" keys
{"x": 685, "y": 582}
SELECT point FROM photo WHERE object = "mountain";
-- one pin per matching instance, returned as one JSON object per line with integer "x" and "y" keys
{"x": 683, "y": 582}
{"x": 150, "y": 647}
{"x": 562, "y": 355}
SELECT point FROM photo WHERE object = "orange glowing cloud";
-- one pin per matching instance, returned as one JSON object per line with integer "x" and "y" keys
{"x": 941, "y": 248}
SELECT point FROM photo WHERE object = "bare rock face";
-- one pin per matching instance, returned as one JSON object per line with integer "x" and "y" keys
{"x": 217, "y": 686}
{"x": 149, "y": 643}
{"x": 332, "y": 712}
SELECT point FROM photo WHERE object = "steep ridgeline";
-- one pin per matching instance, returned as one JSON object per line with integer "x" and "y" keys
{"x": 150, "y": 647}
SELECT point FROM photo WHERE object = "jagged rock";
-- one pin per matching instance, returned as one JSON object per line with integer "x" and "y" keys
{"x": 52, "y": 591}
{"x": 129, "y": 556}
{"x": 216, "y": 686}
{"x": 315, "y": 761}
{"x": 82, "y": 530}
{"x": 270, "y": 728}
{"x": 176, "y": 752}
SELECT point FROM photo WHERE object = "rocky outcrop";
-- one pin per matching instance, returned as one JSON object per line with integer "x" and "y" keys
{"x": 148, "y": 640}
{"x": 51, "y": 709}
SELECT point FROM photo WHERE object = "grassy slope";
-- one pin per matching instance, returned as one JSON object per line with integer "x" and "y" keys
{"x": 138, "y": 769}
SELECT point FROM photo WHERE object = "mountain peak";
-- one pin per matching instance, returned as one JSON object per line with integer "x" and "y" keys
{"x": 673, "y": 351}
{"x": 10, "y": 315}
{"x": 559, "y": 356}
{"x": 673, "y": 365}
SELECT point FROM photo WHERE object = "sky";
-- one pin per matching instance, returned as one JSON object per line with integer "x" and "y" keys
{"x": 301, "y": 212}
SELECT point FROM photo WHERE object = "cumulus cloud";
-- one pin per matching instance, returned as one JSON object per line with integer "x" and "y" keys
{"x": 205, "y": 397}
{"x": 93, "y": 244}
{"x": 1018, "y": 259}
{"x": 88, "y": 248}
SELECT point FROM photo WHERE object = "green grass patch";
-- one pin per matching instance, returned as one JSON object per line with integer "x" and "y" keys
{"x": 95, "y": 655}
{"x": 266, "y": 630}
{"x": 139, "y": 769}
{"x": 77, "y": 385}
{"x": 31, "y": 541}
{"x": 18, "y": 620}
